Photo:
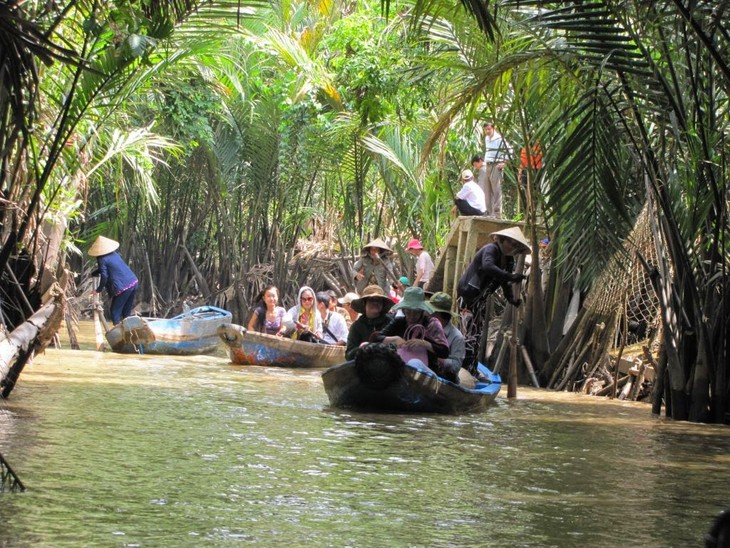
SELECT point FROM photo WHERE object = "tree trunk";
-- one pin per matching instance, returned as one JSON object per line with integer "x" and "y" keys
{"x": 26, "y": 340}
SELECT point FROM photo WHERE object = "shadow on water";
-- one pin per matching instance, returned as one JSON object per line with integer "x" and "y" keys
{"x": 162, "y": 451}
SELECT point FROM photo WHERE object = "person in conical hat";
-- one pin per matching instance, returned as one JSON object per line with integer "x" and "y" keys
{"x": 103, "y": 246}
{"x": 518, "y": 245}
{"x": 374, "y": 266}
{"x": 115, "y": 276}
{"x": 417, "y": 335}
{"x": 492, "y": 267}
{"x": 373, "y": 307}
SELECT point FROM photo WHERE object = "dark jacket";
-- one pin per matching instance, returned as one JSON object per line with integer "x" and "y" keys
{"x": 489, "y": 269}
{"x": 360, "y": 332}
{"x": 116, "y": 276}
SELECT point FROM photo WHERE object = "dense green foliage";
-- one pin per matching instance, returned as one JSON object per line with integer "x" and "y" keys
{"x": 214, "y": 138}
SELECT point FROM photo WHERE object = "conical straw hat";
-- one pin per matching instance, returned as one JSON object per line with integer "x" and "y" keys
{"x": 514, "y": 233}
{"x": 103, "y": 246}
{"x": 377, "y": 242}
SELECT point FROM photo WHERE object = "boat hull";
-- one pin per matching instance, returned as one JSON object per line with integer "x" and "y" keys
{"x": 398, "y": 387}
{"x": 250, "y": 348}
{"x": 190, "y": 333}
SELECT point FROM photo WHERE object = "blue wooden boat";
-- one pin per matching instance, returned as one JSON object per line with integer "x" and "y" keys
{"x": 378, "y": 380}
{"x": 251, "y": 348}
{"x": 192, "y": 332}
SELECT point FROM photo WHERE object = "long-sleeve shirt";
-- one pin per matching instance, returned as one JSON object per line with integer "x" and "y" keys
{"x": 457, "y": 351}
{"x": 377, "y": 268}
{"x": 496, "y": 149}
{"x": 334, "y": 328}
{"x": 116, "y": 276}
{"x": 489, "y": 269}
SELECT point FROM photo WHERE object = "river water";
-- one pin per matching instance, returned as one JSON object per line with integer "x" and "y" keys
{"x": 168, "y": 451}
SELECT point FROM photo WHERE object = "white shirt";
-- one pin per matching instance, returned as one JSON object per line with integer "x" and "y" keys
{"x": 424, "y": 266}
{"x": 473, "y": 194}
{"x": 496, "y": 149}
{"x": 336, "y": 323}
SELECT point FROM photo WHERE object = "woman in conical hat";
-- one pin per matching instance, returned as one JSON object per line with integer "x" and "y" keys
{"x": 492, "y": 267}
{"x": 115, "y": 276}
{"x": 374, "y": 266}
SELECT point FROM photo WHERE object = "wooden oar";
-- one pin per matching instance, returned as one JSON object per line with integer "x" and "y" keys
{"x": 100, "y": 327}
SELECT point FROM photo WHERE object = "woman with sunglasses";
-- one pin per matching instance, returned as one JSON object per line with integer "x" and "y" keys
{"x": 304, "y": 317}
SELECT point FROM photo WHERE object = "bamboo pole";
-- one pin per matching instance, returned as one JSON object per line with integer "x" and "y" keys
{"x": 98, "y": 330}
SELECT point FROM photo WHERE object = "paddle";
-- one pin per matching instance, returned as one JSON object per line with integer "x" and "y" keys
{"x": 100, "y": 326}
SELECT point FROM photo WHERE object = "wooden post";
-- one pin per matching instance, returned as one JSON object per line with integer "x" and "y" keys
{"x": 512, "y": 380}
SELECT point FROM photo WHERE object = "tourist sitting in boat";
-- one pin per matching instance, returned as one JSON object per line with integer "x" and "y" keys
{"x": 374, "y": 266}
{"x": 346, "y": 303}
{"x": 334, "y": 327}
{"x": 441, "y": 303}
{"x": 492, "y": 267}
{"x": 267, "y": 317}
{"x": 418, "y": 336}
{"x": 303, "y": 320}
{"x": 373, "y": 307}
{"x": 334, "y": 306}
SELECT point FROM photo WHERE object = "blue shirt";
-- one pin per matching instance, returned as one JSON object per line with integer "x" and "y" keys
{"x": 116, "y": 276}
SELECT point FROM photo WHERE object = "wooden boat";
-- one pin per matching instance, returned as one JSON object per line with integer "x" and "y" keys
{"x": 378, "y": 380}
{"x": 189, "y": 333}
{"x": 251, "y": 348}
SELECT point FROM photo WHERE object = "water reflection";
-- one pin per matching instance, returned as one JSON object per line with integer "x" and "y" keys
{"x": 150, "y": 450}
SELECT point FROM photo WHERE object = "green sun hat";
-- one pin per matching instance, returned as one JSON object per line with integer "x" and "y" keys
{"x": 414, "y": 299}
{"x": 441, "y": 302}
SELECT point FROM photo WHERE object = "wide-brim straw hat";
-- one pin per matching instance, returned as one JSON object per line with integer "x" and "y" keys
{"x": 414, "y": 299}
{"x": 103, "y": 246}
{"x": 372, "y": 292}
{"x": 379, "y": 243}
{"x": 514, "y": 233}
{"x": 441, "y": 302}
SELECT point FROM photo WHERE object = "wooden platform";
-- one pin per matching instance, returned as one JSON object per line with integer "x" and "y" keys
{"x": 467, "y": 236}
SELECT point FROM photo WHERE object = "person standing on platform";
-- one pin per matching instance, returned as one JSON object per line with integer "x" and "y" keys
{"x": 496, "y": 152}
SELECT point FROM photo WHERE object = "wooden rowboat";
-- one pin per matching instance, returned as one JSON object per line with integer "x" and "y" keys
{"x": 378, "y": 380}
{"x": 251, "y": 348}
{"x": 189, "y": 333}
